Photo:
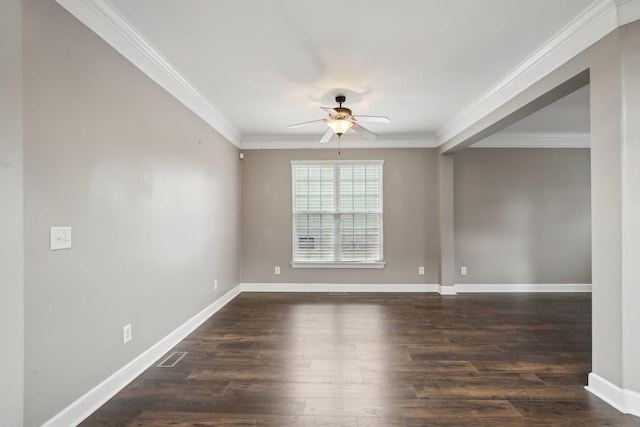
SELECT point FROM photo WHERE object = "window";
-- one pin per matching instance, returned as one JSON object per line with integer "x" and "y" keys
{"x": 337, "y": 214}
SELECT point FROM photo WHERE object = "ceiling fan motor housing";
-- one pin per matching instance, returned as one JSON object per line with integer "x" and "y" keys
{"x": 342, "y": 112}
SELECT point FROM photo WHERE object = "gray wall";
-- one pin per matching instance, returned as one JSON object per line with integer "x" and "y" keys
{"x": 522, "y": 215}
{"x": 630, "y": 45}
{"x": 606, "y": 151}
{"x": 446, "y": 220}
{"x": 410, "y": 217}
{"x": 152, "y": 194}
{"x": 615, "y": 83}
{"x": 11, "y": 222}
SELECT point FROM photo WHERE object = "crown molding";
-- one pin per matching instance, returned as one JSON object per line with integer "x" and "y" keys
{"x": 595, "y": 22}
{"x": 535, "y": 140}
{"x": 104, "y": 19}
{"x": 600, "y": 18}
{"x": 274, "y": 142}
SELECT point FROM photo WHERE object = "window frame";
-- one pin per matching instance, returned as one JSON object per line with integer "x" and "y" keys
{"x": 336, "y": 264}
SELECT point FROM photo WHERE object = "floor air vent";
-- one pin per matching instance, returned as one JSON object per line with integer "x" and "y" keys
{"x": 172, "y": 359}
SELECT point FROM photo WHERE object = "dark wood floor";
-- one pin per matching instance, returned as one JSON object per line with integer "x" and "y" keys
{"x": 377, "y": 360}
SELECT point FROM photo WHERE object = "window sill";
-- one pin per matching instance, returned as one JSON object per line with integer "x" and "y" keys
{"x": 305, "y": 264}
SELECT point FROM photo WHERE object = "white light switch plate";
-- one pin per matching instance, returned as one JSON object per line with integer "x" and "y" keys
{"x": 60, "y": 238}
{"x": 126, "y": 333}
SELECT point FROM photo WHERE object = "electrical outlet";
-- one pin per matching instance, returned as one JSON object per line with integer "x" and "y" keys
{"x": 276, "y": 270}
{"x": 126, "y": 333}
{"x": 215, "y": 283}
{"x": 421, "y": 271}
{"x": 60, "y": 238}
{"x": 463, "y": 271}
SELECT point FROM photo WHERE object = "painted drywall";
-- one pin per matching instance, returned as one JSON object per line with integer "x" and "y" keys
{"x": 630, "y": 48}
{"x": 446, "y": 220}
{"x": 410, "y": 217}
{"x": 522, "y": 216}
{"x": 606, "y": 207}
{"x": 151, "y": 192}
{"x": 11, "y": 216}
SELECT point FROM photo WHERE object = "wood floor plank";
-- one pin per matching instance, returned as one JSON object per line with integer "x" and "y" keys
{"x": 324, "y": 353}
{"x": 212, "y": 419}
{"x": 261, "y": 405}
{"x": 307, "y": 421}
{"x": 240, "y": 390}
{"x": 409, "y": 408}
{"x": 501, "y": 392}
{"x": 525, "y": 366}
{"x": 465, "y": 421}
{"x": 188, "y": 419}
{"x": 475, "y": 379}
{"x": 590, "y": 407}
{"x": 372, "y": 360}
{"x": 293, "y": 375}
{"x": 564, "y": 378}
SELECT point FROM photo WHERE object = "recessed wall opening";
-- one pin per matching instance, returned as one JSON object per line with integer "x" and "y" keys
{"x": 522, "y": 195}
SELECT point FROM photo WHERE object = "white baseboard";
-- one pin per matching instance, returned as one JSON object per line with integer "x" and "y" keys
{"x": 97, "y": 396}
{"x": 412, "y": 287}
{"x": 447, "y": 290}
{"x": 625, "y": 401}
{"x": 632, "y": 402}
{"x": 562, "y": 287}
{"x": 338, "y": 287}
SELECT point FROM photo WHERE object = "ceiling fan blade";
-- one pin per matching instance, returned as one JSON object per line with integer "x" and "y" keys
{"x": 364, "y": 132}
{"x": 327, "y": 136}
{"x": 373, "y": 119}
{"x": 305, "y": 123}
{"x": 329, "y": 110}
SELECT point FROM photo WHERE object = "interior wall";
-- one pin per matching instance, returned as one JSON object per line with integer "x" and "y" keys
{"x": 606, "y": 155}
{"x": 522, "y": 216}
{"x": 11, "y": 213}
{"x": 446, "y": 220}
{"x": 151, "y": 192}
{"x": 410, "y": 217}
{"x": 630, "y": 46}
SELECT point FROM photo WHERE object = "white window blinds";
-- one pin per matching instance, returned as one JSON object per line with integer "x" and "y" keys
{"x": 337, "y": 212}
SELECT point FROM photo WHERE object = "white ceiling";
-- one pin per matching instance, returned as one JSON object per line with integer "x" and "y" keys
{"x": 266, "y": 64}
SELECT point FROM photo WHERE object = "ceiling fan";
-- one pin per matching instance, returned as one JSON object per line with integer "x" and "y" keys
{"x": 342, "y": 119}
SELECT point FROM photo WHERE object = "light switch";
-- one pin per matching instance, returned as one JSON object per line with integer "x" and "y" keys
{"x": 60, "y": 238}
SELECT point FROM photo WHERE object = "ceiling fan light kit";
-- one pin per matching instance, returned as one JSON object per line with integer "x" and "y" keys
{"x": 339, "y": 126}
{"x": 341, "y": 119}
